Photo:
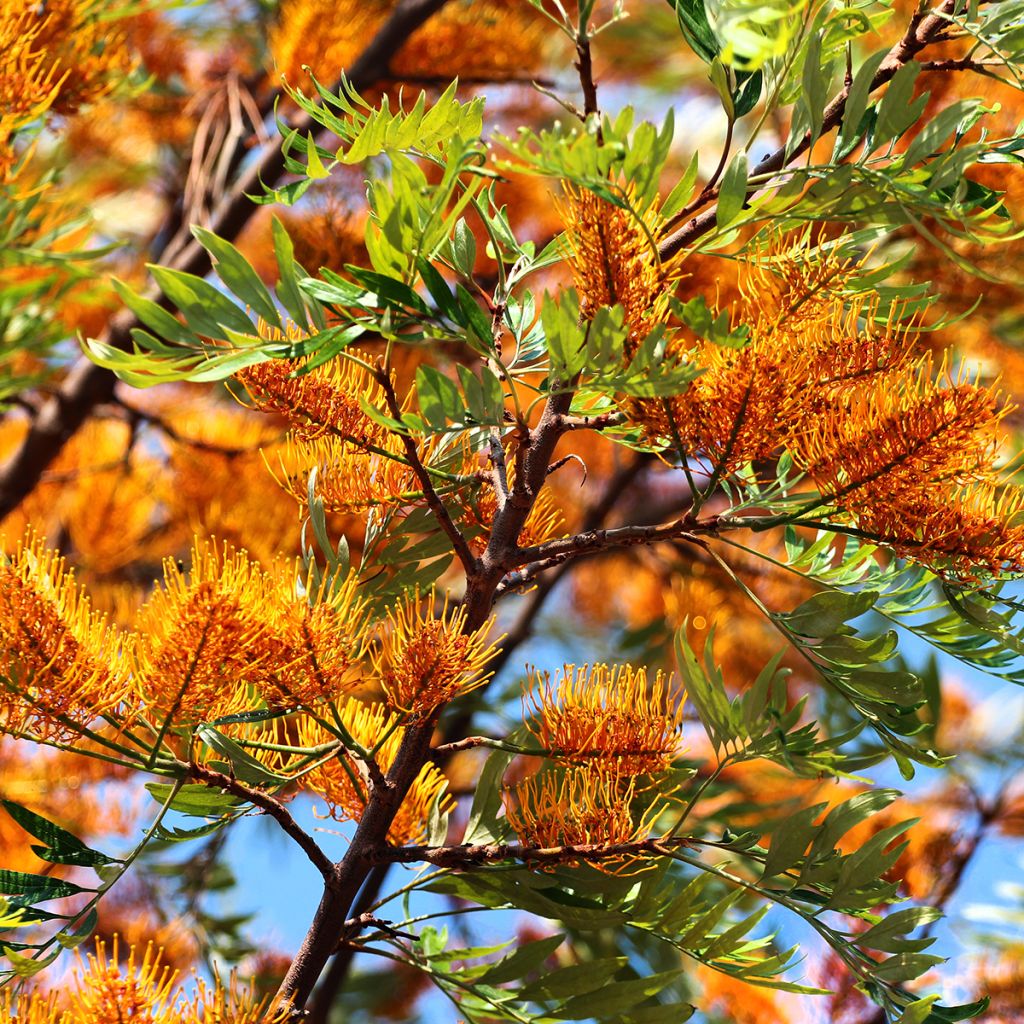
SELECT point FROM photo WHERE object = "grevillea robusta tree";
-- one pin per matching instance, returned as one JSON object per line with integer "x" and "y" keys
{"x": 549, "y": 340}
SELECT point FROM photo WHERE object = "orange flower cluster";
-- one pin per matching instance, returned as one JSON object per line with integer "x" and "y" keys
{"x": 358, "y": 462}
{"x": 614, "y": 261}
{"x": 54, "y": 57}
{"x": 912, "y": 459}
{"x": 620, "y": 727}
{"x": 59, "y": 662}
{"x": 574, "y": 807}
{"x": 424, "y": 661}
{"x": 348, "y": 478}
{"x": 608, "y": 715}
{"x": 226, "y": 637}
{"x": 808, "y": 351}
{"x": 492, "y": 39}
{"x": 104, "y": 991}
{"x": 325, "y": 401}
{"x": 203, "y": 640}
{"x": 229, "y": 634}
{"x": 904, "y": 450}
{"x": 341, "y": 779}
{"x": 320, "y": 646}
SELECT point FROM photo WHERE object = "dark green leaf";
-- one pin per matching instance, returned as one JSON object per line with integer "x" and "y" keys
{"x": 37, "y": 887}
{"x": 733, "y": 191}
{"x": 61, "y": 846}
{"x": 528, "y": 957}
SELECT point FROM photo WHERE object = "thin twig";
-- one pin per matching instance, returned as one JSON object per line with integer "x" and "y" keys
{"x": 489, "y": 853}
{"x": 621, "y": 536}
{"x": 271, "y": 806}
{"x": 436, "y": 505}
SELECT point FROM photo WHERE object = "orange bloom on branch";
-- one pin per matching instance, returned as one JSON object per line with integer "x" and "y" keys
{"x": 322, "y": 644}
{"x": 578, "y": 806}
{"x": 609, "y": 715}
{"x": 348, "y": 478}
{"x": 204, "y": 640}
{"x": 108, "y": 993}
{"x": 107, "y": 990}
{"x": 907, "y": 430}
{"x": 60, "y": 662}
{"x": 810, "y": 344}
{"x": 614, "y": 261}
{"x": 425, "y": 661}
{"x": 324, "y": 401}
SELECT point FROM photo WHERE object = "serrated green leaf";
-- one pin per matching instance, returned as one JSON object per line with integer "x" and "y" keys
{"x": 26, "y": 967}
{"x": 483, "y": 825}
{"x": 194, "y": 799}
{"x": 897, "y": 111}
{"x": 36, "y": 887}
{"x": 205, "y": 309}
{"x": 438, "y": 398}
{"x": 154, "y": 316}
{"x": 287, "y": 285}
{"x": 823, "y": 614}
{"x": 616, "y": 997}
{"x": 244, "y": 766}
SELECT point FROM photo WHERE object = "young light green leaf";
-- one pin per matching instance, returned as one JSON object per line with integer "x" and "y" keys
{"x": 236, "y": 272}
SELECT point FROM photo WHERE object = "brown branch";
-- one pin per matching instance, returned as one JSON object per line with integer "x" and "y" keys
{"x": 88, "y": 385}
{"x": 499, "y": 471}
{"x": 334, "y": 976}
{"x": 600, "y": 540}
{"x": 436, "y": 505}
{"x": 585, "y": 66}
{"x": 605, "y": 419}
{"x": 473, "y": 855}
{"x": 271, "y": 806}
{"x": 922, "y": 31}
{"x": 329, "y": 922}
{"x": 961, "y": 64}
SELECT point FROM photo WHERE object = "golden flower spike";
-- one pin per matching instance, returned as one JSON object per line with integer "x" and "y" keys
{"x": 580, "y": 806}
{"x": 610, "y": 715}
{"x": 348, "y": 479}
{"x": 204, "y": 639}
{"x": 324, "y": 401}
{"x": 614, "y": 260}
{"x": 425, "y": 661}
{"x": 60, "y": 663}
{"x": 107, "y": 992}
{"x": 911, "y": 428}
{"x": 322, "y": 644}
